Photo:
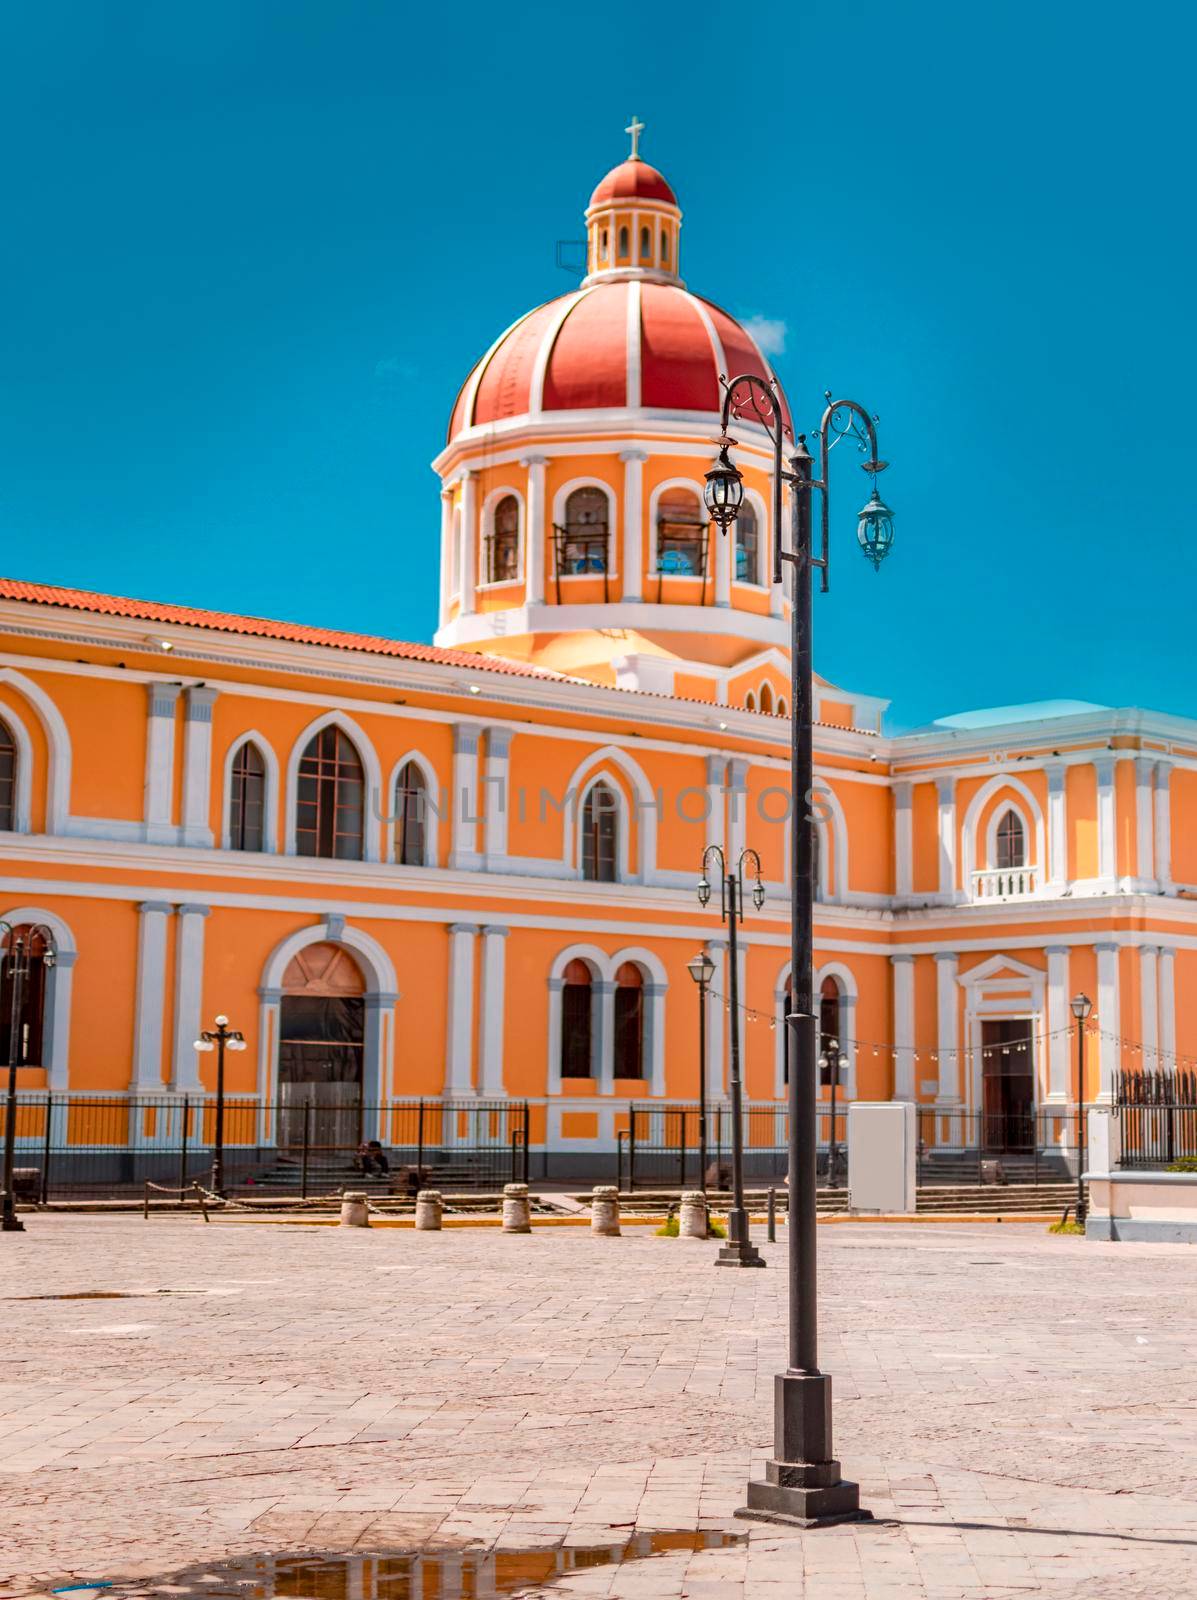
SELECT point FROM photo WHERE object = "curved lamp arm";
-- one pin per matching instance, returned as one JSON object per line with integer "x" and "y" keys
{"x": 763, "y": 402}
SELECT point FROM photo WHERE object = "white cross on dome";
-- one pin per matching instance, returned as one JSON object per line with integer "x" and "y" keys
{"x": 635, "y": 128}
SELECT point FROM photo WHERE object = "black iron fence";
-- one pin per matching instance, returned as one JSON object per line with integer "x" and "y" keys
{"x": 1157, "y": 1116}
{"x": 1040, "y": 1145}
{"x": 88, "y": 1146}
{"x": 661, "y": 1146}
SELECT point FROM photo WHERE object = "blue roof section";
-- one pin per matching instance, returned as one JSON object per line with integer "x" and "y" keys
{"x": 1036, "y": 711}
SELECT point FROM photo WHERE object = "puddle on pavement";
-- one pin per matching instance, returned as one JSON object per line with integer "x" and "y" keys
{"x": 430, "y": 1573}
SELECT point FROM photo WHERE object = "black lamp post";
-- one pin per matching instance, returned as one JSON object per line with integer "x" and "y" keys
{"x": 702, "y": 970}
{"x": 829, "y": 1062}
{"x": 220, "y": 1038}
{"x": 739, "y": 1251}
{"x": 1081, "y": 1007}
{"x": 802, "y": 1483}
{"x": 16, "y": 963}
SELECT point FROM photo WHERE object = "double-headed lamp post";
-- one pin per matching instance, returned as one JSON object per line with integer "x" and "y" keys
{"x": 829, "y": 1062}
{"x": 739, "y": 1251}
{"x": 802, "y": 1482}
{"x": 220, "y": 1038}
{"x": 15, "y": 964}
{"x": 1081, "y": 1007}
{"x": 702, "y": 970}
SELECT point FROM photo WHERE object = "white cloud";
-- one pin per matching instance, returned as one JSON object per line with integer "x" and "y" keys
{"x": 769, "y": 333}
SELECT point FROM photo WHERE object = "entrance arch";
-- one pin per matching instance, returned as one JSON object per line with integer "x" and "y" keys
{"x": 321, "y": 1047}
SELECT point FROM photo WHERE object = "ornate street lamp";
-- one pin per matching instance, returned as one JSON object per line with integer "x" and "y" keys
{"x": 702, "y": 970}
{"x": 739, "y": 1251}
{"x": 1081, "y": 1007}
{"x": 16, "y": 962}
{"x": 802, "y": 1482}
{"x": 829, "y": 1063}
{"x": 220, "y": 1038}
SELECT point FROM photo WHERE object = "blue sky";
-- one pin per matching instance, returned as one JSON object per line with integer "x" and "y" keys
{"x": 251, "y": 249}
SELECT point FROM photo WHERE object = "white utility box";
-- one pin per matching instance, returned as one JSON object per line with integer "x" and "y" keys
{"x": 882, "y": 1147}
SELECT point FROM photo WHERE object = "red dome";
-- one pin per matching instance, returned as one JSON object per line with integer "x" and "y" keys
{"x": 633, "y": 180}
{"x": 611, "y": 345}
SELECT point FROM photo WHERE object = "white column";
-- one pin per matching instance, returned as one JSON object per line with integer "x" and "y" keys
{"x": 903, "y": 839}
{"x": 716, "y": 1017}
{"x": 946, "y": 790}
{"x": 150, "y": 997}
{"x": 724, "y": 545}
{"x": 189, "y": 995}
{"x": 737, "y": 805}
{"x": 197, "y": 765}
{"x": 1144, "y": 820}
{"x": 1059, "y": 1022}
{"x": 903, "y": 1027}
{"x": 947, "y": 1008}
{"x": 494, "y": 968}
{"x": 1108, "y": 1018}
{"x": 1163, "y": 826}
{"x": 1057, "y": 825}
{"x": 848, "y": 1079}
{"x": 446, "y": 554}
{"x": 716, "y": 772}
{"x": 1107, "y": 851}
{"x": 497, "y": 805}
{"x": 1149, "y": 1006}
{"x": 654, "y": 1040}
{"x": 378, "y": 1058}
{"x": 603, "y": 991}
{"x": 534, "y": 532}
{"x": 459, "y": 1043}
{"x": 469, "y": 542}
{"x": 464, "y": 814}
{"x": 160, "y": 762}
{"x": 633, "y": 523}
{"x": 1167, "y": 975}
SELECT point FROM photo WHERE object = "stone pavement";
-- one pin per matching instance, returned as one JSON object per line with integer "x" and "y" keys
{"x": 1021, "y": 1410}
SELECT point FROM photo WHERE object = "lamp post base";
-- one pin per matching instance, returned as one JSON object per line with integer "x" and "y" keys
{"x": 739, "y": 1253}
{"x": 802, "y": 1486}
{"x": 12, "y": 1225}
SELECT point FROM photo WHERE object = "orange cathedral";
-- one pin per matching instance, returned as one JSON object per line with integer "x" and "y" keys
{"x": 465, "y": 873}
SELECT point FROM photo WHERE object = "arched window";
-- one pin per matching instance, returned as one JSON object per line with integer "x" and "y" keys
{"x": 681, "y": 534}
{"x": 31, "y": 1011}
{"x": 330, "y": 810}
{"x": 750, "y": 701}
{"x": 781, "y": 705}
{"x": 629, "y": 1021}
{"x": 1011, "y": 842}
{"x": 646, "y": 244}
{"x": 664, "y": 248}
{"x": 503, "y": 541}
{"x": 829, "y": 1023}
{"x": 576, "y": 996}
{"x": 600, "y": 829}
{"x": 582, "y": 542}
{"x": 247, "y": 799}
{"x": 411, "y": 817}
{"x": 623, "y": 243}
{"x": 766, "y": 699}
{"x": 748, "y": 568}
{"x": 8, "y": 783}
{"x": 603, "y": 246}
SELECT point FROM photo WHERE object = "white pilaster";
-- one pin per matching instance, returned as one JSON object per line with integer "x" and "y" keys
{"x": 1057, "y": 825}
{"x": 903, "y": 839}
{"x": 446, "y": 554}
{"x": 1108, "y": 1019}
{"x": 947, "y": 1007}
{"x": 1167, "y": 975}
{"x": 604, "y": 1034}
{"x": 1059, "y": 1022}
{"x": 1144, "y": 824}
{"x": 654, "y": 1038}
{"x": 469, "y": 543}
{"x": 945, "y": 788}
{"x": 1149, "y": 1006}
{"x": 189, "y": 996}
{"x": 903, "y": 1027}
{"x": 197, "y": 765}
{"x": 633, "y": 523}
{"x": 1107, "y": 848}
{"x": 497, "y": 807}
{"x": 463, "y": 839}
{"x": 459, "y": 1044}
{"x": 716, "y": 1017}
{"x": 716, "y": 771}
{"x": 737, "y": 808}
{"x": 494, "y": 967}
{"x": 1163, "y": 826}
{"x": 150, "y": 997}
{"x": 534, "y": 532}
{"x": 160, "y": 762}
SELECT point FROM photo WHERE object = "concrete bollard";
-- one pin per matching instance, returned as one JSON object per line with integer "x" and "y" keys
{"x": 429, "y": 1208}
{"x": 517, "y": 1209}
{"x": 604, "y": 1211}
{"x": 353, "y": 1210}
{"x": 692, "y": 1219}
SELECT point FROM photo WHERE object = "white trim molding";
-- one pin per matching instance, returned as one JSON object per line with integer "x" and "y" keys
{"x": 58, "y": 753}
{"x": 270, "y": 799}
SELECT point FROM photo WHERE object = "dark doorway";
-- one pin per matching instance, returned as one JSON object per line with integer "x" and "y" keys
{"x": 1007, "y": 1085}
{"x": 320, "y": 1052}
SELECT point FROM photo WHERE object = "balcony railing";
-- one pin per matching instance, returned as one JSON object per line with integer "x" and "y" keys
{"x": 1006, "y": 883}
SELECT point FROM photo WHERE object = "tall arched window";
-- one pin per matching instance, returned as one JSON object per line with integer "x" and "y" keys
{"x": 247, "y": 799}
{"x": 1011, "y": 842}
{"x": 582, "y": 542}
{"x": 750, "y": 701}
{"x": 31, "y": 1013}
{"x": 576, "y": 998}
{"x": 646, "y": 244}
{"x": 411, "y": 817}
{"x": 664, "y": 248}
{"x": 829, "y": 1022}
{"x": 503, "y": 541}
{"x": 629, "y": 1021}
{"x": 8, "y": 780}
{"x": 748, "y": 568}
{"x": 330, "y": 810}
{"x": 600, "y": 833}
{"x": 766, "y": 699}
{"x": 623, "y": 243}
{"x": 681, "y": 534}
